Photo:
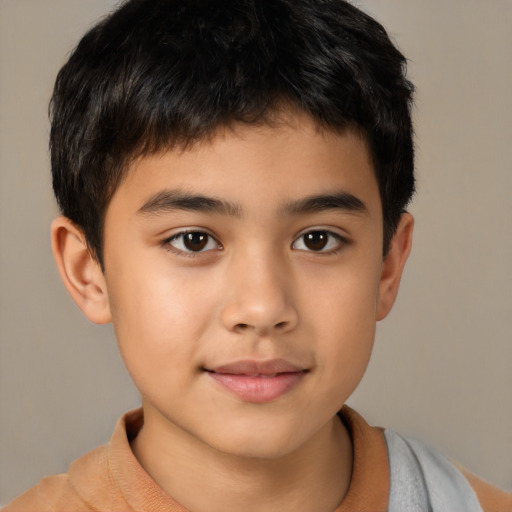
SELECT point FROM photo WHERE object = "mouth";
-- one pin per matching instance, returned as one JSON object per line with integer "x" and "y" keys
{"x": 257, "y": 381}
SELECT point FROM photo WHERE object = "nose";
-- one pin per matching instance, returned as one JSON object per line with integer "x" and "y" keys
{"x": 259, "y": 296}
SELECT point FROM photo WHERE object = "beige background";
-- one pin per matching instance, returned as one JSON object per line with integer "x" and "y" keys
{"x": 442, "y": 367}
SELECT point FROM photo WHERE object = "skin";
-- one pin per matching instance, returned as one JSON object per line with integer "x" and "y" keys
{"x": 256, "y": 291}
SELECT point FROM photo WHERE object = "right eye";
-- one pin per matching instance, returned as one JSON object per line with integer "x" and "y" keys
{"x": 193, "y": 242}
{"x": 320, "y": 241}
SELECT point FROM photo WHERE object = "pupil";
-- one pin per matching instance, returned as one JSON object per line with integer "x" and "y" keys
{"x": 316, "y": 240}
{"x": 195, "y": 241}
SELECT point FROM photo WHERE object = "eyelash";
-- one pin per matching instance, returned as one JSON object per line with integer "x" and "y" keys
{"x": 167, "y": 243}
{"x": 340, "y": 241}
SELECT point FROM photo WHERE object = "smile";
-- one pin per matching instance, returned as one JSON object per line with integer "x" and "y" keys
{"x": 258, "y": 381}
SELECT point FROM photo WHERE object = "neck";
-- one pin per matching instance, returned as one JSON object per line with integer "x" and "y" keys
{"x": 314, "y": 477}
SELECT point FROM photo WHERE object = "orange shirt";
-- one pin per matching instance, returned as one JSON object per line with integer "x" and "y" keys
{"x": 111, "y": 479}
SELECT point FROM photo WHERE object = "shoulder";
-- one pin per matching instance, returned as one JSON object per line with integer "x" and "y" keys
{"x": 59, "y": 493}
{"x": 491, "y": 498}
{"x": 51, "y": 494}
{"x": 93, "y": 482}
{"x": 421, "y": 478}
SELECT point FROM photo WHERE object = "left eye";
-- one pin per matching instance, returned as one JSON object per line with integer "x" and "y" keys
{"x": 193, "y": 241}
{"x": 318, "y": 241}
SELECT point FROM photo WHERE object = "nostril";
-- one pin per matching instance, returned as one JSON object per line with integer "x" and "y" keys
{"x": 244, "y": 327}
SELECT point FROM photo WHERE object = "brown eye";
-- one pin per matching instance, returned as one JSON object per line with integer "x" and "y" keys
{"x": 193, "y": 241}
{"x": 320, "y": 241}
{"x": 316, "y": 240}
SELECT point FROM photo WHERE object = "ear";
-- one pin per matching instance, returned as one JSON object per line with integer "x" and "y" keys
{"x": 80, "y": 271}
{"x": 393, "y": 265}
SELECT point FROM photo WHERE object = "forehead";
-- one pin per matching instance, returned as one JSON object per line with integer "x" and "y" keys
{"x": 266, "y": 164}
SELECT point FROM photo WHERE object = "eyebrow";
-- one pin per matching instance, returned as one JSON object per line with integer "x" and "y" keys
{"x": 172, "y": 200}
{"x": 318, "y": 203}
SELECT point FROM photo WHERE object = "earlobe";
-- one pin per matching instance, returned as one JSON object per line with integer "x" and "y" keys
{"x": 393, "y": 265}
{"x": 80, "y": 271}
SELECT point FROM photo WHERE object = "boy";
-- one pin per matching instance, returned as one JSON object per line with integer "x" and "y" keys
{"x": 233, "y": 180}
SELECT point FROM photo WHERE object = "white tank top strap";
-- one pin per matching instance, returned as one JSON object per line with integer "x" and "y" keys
{"x": 423, "y": 480}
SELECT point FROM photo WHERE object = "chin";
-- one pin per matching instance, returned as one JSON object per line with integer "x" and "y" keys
{"x": 256, "y": 449}
{"x": 256, "y": 441}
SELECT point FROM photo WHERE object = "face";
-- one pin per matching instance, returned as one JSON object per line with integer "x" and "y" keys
{"x": 243, "y": 282}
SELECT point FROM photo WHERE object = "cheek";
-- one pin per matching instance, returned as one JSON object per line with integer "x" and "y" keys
{"x": 158, "y": 318}
{"x": 345, "y": 312}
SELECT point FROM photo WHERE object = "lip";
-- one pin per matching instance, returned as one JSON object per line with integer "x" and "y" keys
{"x": 258, "y": 381}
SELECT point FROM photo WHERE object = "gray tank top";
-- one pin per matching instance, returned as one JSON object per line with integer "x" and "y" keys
{"x": 423, "y": 480}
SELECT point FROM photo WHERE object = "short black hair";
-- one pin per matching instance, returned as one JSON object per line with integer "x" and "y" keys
{"x": 155, "y": 74}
